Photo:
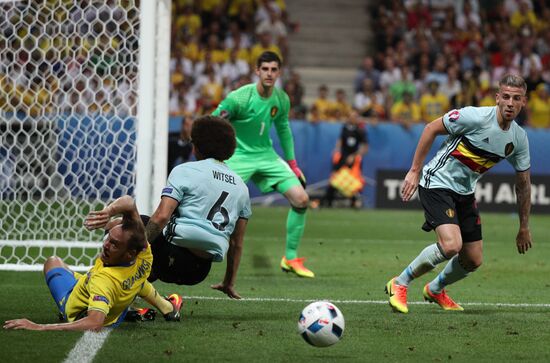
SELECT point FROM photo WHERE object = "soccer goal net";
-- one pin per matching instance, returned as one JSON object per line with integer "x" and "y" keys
{"x": 72, "y": 115}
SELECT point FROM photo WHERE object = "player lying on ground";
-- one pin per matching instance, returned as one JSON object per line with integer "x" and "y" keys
{"x": 252, "y": 109}
{"x": 203, "y": 212}
{"x": 479, "y": 137}
{"x": 102, "y": 296}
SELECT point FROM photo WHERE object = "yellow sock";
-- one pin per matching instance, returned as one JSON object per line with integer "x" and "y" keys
{"x": 154, "y": 298}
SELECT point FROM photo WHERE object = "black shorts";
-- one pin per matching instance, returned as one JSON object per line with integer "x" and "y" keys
{"x": 443, "y": 206}
{"x": 176, "y": 264}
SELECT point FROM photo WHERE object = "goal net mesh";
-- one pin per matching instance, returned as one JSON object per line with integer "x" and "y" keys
{"x": 68, "y": 101}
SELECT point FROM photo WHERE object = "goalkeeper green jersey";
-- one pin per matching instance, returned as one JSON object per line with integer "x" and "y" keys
{"x": 252, "y": 116}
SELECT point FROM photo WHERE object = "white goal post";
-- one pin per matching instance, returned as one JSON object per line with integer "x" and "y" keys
{"x": 83, "y": 120}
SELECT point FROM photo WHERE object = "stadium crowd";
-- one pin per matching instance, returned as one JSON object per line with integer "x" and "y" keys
{"x": 432, "y": 56}
{"x": 429, "y": 56}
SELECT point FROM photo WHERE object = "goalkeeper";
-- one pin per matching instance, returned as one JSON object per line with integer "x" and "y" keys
{"x": 252, "y": 109}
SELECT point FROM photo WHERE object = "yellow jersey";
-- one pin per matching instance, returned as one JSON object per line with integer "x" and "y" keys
{"x": 433, "y": 106}
{"x": 109, "y": 289}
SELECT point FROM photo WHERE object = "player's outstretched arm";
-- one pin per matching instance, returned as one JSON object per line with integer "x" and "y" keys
{"x": 410, "y": 184}
{"x": 94, "y": 321}
{"x": 233, "y": 260}
{"x": 523, "y": 196}
{"x": 160, "y": 217}
{"x": 124, "y": 205}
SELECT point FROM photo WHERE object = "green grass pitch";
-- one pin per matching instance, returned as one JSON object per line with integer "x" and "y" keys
{"x": 506, "y": 317}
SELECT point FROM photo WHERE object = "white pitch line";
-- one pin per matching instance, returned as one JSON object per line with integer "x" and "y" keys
{"x": 87, "y": 346}
{"x": 372, "y": 302}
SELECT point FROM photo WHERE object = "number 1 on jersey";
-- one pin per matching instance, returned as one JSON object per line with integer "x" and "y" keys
{"x": 262, "y": 128}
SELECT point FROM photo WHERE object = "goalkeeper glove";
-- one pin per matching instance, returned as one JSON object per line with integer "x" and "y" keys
{"x": 296, "y": 170}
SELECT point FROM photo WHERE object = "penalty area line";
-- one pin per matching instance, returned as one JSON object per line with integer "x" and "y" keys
{"x": 365, "y": 302}
{"x": 87, "y": 346}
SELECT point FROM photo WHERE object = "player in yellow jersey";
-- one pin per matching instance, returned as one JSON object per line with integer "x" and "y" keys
{"x": 101, "y": 297}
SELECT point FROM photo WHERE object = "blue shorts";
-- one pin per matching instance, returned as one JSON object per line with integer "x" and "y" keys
{"x": 61, "y": 283}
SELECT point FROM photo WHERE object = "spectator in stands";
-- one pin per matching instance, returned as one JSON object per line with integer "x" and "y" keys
{"x": 180, "y": 147}
{"x": 433, "y": 103}
{"x": 217, "y": 53}
{"x": 526, "y": 59}
{"x": 188, "y": 22}
{"x": 439, "y": 71}
{"x": 295, "y": 91}
{"x": 538, "y": 107}
{"x": 467, "y": 16}
{"x": 236, "y": 38}
{"x": 265, "y": 45}
{"x": 368, "y": 102}
{"x": 406, "y": 111}
{"x": 534, "y": 79}
{"x": 233, "y": 68}
{"x": 321, "y": 108}
{"x": 453, "y": 86}
{"x": 367, "y": 71}
{"x": 349, "y": 150}
{"x": 179, "y": 63}
{"x": 182, "y": 101}
{"x": 402, "y": 85}
{"x": 523, "y": 17}
{"x": 341, "y": 108}
{"x": 389, "y": 75}
{"x": 275, "y": 26}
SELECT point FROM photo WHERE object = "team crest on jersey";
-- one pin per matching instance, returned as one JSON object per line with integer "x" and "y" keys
{"x": 450, "y": 213}
{"x": 274, "y": 111}
{"x": 508, "y": 148}
{"x": 454, "y": 115}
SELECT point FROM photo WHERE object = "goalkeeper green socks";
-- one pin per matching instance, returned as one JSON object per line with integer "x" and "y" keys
{"x": 295, "y": 224}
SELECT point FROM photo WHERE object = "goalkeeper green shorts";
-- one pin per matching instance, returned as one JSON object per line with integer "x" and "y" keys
{"x": 269, "y": 174}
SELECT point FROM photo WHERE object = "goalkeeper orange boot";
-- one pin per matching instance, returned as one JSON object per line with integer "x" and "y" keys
{"x": 176, "y": 302}
{"x": 442, "y": 299}
{"x": 296, "y": 265}
{"x": 398, "y": 296}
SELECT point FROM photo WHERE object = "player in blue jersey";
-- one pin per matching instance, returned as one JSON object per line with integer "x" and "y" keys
{"x": 203, "y": 212}
{"x": 479, "y": 137}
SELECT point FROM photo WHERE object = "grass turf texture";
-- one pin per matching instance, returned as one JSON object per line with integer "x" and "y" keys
{"x": 353, "y": 255}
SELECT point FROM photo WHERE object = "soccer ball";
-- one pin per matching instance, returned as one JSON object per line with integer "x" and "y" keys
{"x": 321, "y": 324}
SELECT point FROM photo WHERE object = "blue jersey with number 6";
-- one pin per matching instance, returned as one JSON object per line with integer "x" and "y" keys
{"x": 211, "y": 198}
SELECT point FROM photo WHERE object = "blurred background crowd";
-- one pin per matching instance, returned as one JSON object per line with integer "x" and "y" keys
{"x": 425, "y": 57}
{"x": 429, "y": 56}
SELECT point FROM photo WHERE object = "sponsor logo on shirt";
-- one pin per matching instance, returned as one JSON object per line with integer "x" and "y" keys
{"x": 101, "y": 298}
{"x": 274, "y": 110}
{"x": 167, "y": 190}
{"x": 454, "y": 115}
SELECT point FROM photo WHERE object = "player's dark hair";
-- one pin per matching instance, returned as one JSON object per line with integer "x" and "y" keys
{"x": 213, "y": 137}
{"x": 136, "y": 231}
{"x": 513, "y": 80}
{"x": 267, "y": 57}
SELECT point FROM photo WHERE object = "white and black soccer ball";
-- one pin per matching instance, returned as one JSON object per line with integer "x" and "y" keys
{"x": 321, "y": 324}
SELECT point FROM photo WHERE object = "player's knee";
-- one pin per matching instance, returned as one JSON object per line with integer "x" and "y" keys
{"x": 51, "y": 263}
{"x": 472, "y": 264}
{"x": 451, "y": 247}
{"x": 301, "y": 201}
